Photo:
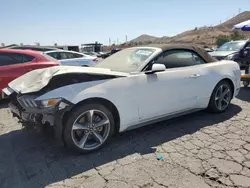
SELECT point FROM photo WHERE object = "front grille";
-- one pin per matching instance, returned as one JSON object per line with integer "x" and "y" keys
{"x": 27, "y": 101}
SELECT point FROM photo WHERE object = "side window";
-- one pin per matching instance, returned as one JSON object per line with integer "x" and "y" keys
{"x": 78, "y": 55}
{"x": 10, "y": 59}
{"x": 179, "y": 58}
{"x": 70, "y": 55}
{"x": 66, "y": 55}
{"x": 27, "y": 58}
{"x": 55, "y": 55}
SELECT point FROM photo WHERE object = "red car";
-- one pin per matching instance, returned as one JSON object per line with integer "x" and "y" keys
{"x": 14, "y": 63}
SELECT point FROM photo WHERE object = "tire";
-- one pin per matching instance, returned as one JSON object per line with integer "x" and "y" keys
{"x": 71, "y": 136}
{"x": 213, "y": 103}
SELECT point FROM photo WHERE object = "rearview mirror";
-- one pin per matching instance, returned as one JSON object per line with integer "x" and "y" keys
{"x": 156, "y": 68}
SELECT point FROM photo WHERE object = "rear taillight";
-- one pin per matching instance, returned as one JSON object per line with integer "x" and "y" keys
{"x": 95, "y": 60}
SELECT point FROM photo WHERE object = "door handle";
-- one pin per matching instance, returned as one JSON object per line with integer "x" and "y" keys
{"x": 194, "y": 75}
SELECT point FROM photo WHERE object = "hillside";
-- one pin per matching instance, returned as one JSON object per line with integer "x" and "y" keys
{"x": 203, "y": 36}
{"x": 144, "y": 39}
{"x": 235, "y": 20}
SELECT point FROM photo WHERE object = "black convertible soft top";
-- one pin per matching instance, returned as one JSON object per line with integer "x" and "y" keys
{"x": 200, "y": 51}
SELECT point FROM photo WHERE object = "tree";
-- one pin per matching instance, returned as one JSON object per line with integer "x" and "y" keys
{"x": 221, "y": 39}
{"x": 236, "y": 35}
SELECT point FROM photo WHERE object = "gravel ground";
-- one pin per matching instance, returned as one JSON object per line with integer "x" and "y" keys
{"x": 199, "y": 150}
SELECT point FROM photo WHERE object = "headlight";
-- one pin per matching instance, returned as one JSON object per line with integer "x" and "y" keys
{"x": 229, "y": 57}
{"x": 48, "y": 102}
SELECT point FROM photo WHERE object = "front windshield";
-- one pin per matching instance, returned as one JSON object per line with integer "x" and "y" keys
{"x": 231, "y": 46}
{"x": 127, "y": 60}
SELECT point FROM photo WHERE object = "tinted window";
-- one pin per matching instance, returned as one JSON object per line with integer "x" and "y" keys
{"x": 179, "y": 58}
{"x": 55, "y": 55}
{"x": 70, "y": 55}
{"x": 27, "y": 58}
{"x": 10, "y": 59}
{"x": 64, "y": 55}
{"x": 78, "y": 55}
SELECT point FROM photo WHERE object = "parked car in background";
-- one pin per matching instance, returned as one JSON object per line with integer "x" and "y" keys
{"x": 113, "y": 51}
{"x": 14, "y": 63}
{"x": 231, "y": 51}
{"x": 105, "y": 55}
{"x": 94, "y": 54}
{"x": 131, "y": 88}
{"x": 209, "y": 49}
{"x": 71, "y": 58}
{"x": 36, "y": 48}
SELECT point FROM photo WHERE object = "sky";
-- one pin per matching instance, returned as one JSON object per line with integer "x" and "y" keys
{"x": 75, "y": 22}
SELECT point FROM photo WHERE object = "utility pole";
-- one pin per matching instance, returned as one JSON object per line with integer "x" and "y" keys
{"x": 126, "y": 38}
{"x": 117, "y": 43}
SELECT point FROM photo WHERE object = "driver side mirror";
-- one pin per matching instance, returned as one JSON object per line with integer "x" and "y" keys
{"x": 156, "y": 68}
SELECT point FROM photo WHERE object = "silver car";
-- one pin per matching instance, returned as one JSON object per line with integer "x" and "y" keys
{"x": 71, "y": 58}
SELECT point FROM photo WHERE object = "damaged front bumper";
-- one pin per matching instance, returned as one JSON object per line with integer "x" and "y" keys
{"x": 29, "y": 113}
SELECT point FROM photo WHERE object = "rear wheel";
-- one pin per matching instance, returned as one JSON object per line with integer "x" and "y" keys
{"x": 88, "y": 128}
{"x": 221, "y": 97}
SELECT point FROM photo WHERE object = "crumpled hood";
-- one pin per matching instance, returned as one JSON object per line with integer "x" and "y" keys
{"x": 37, "y": 79}
{"x": 221, "y": 53}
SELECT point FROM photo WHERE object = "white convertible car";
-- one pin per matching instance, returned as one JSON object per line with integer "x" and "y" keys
{"x": 134, "y": 87}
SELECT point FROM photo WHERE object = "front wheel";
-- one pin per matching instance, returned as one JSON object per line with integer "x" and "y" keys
{"x": 88, "y": 128}
{"x": 221, "y": 97}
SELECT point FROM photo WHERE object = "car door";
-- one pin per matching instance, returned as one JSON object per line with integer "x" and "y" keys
{"x": 173, "y": 91}
{"x": 84, "y": 60}
{"x": 68, "y": 58}
{"x": 13, "y": 65}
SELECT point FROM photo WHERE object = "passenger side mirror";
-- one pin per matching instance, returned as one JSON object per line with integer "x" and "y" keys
{"x": 156, "y": 68}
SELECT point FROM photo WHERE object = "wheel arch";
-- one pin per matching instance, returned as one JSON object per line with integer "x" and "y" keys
{"x": 227, "y": 80}
{"x": 230, "y": 83}
{"x": 102, "y": 101}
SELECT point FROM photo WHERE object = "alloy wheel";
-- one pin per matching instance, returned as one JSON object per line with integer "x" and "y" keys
{"x": 222, "y": 97}
{"x": 90, "y": 129}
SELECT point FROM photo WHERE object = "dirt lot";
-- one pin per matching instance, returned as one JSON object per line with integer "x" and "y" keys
{"x": 200, "y": 150}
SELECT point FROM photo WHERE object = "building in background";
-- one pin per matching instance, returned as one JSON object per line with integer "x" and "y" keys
{"x": 92, "y": 47}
